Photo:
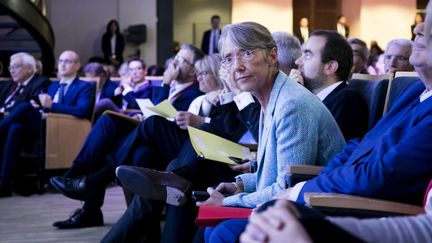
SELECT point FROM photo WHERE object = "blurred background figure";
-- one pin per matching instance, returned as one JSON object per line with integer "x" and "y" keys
{"x": 209, "y": 44}
{"x": 341, "y": 26}
{"x": 419, "y": 18}
{"x": 303, "y": 30}
{"x": 376, "y": 60}
{"x": 155, "y": 70}
{"x": 113, "y": 43}
{"x": 360, "y": 56}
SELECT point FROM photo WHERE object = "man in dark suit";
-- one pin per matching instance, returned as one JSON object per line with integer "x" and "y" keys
{"x": 341, "y": 26}
{"x": 25, "y": 83}
{"x": 324, "y": 66}
{"x": 21, "y": 127}
{"x": 109, "y": 143}
{"x": 302, "y": 31}
{"x": 209, "y": 43}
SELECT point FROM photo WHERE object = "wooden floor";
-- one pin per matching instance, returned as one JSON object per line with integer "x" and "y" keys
{"x": 29, "y": 219}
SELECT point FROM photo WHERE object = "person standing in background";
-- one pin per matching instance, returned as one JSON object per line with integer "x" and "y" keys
{"x": 417, "y": 20}
{"x": 303, "y": 30}
{"x": 341, "y": 26}
{"x": 113, "y": 43}
{"x": 209, "y": 44}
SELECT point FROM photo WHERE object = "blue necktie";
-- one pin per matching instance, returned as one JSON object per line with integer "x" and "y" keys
{"x": 61, "y": 92}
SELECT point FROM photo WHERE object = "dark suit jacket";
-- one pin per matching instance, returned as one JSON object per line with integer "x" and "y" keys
{"x": 205, "y": 43}
{"x": 31, "y": 90}
{"x": 297, "y": 33}
{"x": 78, "y": 100}
{"x": 107, "y": 92}
{"x": 182, "y": 102}
{"x": 119, "y": 47}
{"x": 145, "y": 91}
{"x": 346, "y": 30}
{"x": 393, "y": 161}
{"x": 349, "y": 110}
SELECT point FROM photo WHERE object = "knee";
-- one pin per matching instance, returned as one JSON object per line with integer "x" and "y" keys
{"x": 227, "y": 231}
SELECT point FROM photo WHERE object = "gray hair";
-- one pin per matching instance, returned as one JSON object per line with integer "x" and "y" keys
{"x": 248, "y": 36}
{"x": 210, "y": 63}
{"x": 289, "y": 49}
{"x": 364, "y": 52}
{"x": 400, "y": 42}
{"x": 26, "y": 58}
{"x": 197, "y": 53}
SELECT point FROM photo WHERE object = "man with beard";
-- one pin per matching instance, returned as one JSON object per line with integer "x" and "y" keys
{"x": 323, "y": 68}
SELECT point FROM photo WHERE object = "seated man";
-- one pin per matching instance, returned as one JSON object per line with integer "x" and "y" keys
{"x": 22, "y": 126}
{"x": 392, "y": 161}
{"x": 25, "y": 83}
{"x": 111, "y": 139}
{"x": 323, "y": 69}
{"x": 360, "y": 56}
{"x": 396, "y": 56}
{"x": 132, "y": 87}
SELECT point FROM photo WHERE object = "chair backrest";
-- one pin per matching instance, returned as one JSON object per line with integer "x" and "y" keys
{"x": 96, "y": 81}
{"x": 374, "y": 93}
{"x": 397, "y": 85}
{"x": 406, "y": 74}
{"x": 156, "y": 80}
{"x": 397, "y": 88}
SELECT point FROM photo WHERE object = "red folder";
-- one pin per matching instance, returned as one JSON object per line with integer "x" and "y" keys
{"x": 212, "y": 215}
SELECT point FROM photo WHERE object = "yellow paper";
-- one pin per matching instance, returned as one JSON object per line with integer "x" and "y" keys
{"x": 164, "y": 109}
{"x": 216, "y": 148}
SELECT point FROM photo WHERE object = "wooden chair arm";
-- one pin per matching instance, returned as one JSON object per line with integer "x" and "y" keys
{"x": 359, "y": 206}
{"x": 123, "y": 116}
{"x": 64, "y": 137}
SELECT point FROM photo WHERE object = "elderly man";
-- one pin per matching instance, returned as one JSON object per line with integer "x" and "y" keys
{"x": 25, "y": 83}
{"x": 289, "y": 50}
{"x": 360, "y": 56}
{"x": 324, "y": 68}
{"x": 22, "y": 126}
{"x": 396, "y": 56}
{"x": 391, "y": 162}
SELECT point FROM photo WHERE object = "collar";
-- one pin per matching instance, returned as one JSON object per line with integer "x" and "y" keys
{"x": 325, "y": 92}
{"x": 67, "y": 81}
{"x": 27, "y": 81}
{"x": 426, "y": 94}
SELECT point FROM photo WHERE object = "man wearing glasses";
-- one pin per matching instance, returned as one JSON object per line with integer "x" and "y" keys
{"x": 396, "y": 56}
{"x": 22, "y": 125}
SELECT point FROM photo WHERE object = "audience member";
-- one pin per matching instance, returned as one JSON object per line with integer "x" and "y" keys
{"x": 209, "y": 43}
{"x": 94, "y": 166}
{"x": 302, "y": 31}
{"x": 397, "y": 54}
{"x": 341, "y": 26}
{"x": 123, "y": 70}
{"x": 155, "y": 70}
{"x": 376, "y": 59}
{"x": 288, "y": 50}
{"x": 113, "y": 43}
{"x": 324, "y": 68}
{"x": 418, "y": 19}
{"x": 391, "y": 162}
{"x": 360, "y": 56}
{"x": 22, "y": 127}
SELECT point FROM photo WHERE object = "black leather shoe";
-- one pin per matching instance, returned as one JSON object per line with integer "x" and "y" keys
{"x": 81, "y": 218}
{"x": 153, "y": 184}
{"x": 74, "y": 188}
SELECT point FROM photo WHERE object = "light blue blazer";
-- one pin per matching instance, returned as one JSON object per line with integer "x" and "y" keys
{"x": 296, "y": 128}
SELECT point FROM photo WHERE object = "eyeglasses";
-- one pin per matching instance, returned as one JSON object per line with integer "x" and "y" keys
{"x": 135, "y": 69}
{"x": 15, "y": 67}
{"x": 399, "y": 58}
{"x": 181, "y": 60}
{"x": 203, "y": 73}
{"x": 66, "y": 61}
{"x": 243, "y": 55}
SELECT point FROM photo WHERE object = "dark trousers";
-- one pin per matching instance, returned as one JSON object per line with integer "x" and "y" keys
{"x": 22, "y": 127}
{"x": 152, "y": 144}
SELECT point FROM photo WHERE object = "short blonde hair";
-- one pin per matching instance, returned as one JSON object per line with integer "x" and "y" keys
{"x": 210, "y": 63}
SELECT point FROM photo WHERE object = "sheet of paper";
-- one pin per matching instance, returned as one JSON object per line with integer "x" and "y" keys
{"x": 144, "y": 105}
{"x": 216, "y": 148}
{"x": 164, "y": 109}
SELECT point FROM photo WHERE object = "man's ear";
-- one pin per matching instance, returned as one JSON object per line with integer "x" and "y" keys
{"x": 331, "y": 67}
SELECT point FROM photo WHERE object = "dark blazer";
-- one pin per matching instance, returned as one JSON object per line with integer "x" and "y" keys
{"x": 78, "y": 100}
{"x": 205, "y": 43}
{"x": 349, "y": 110}
{"x": 182, "y": 102}
{"x": 297, "y": 33}
{"x": 119, "y": 47}
{"x": 393, "y": 161}
{"x": 107, "y": 92}
{"x": 346, "y": 30}
{"x": 30, "y": 91}
{"x": 145, "y": 91}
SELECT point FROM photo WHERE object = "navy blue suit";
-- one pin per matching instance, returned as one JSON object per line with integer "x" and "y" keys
{"x": 349, "y": 110}
{"x": 22, "y": 127}
{"x": 107, "y": 92}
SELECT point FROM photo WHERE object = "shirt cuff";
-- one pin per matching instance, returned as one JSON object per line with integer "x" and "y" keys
{"x": 126, "y": 91}
{"x": 207, "y": 120}
{"x": 295, "y": 191}
{"x": 243, "y": 99}
{"x": 117, "y": 91}
{"x": 226, "y": 98}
